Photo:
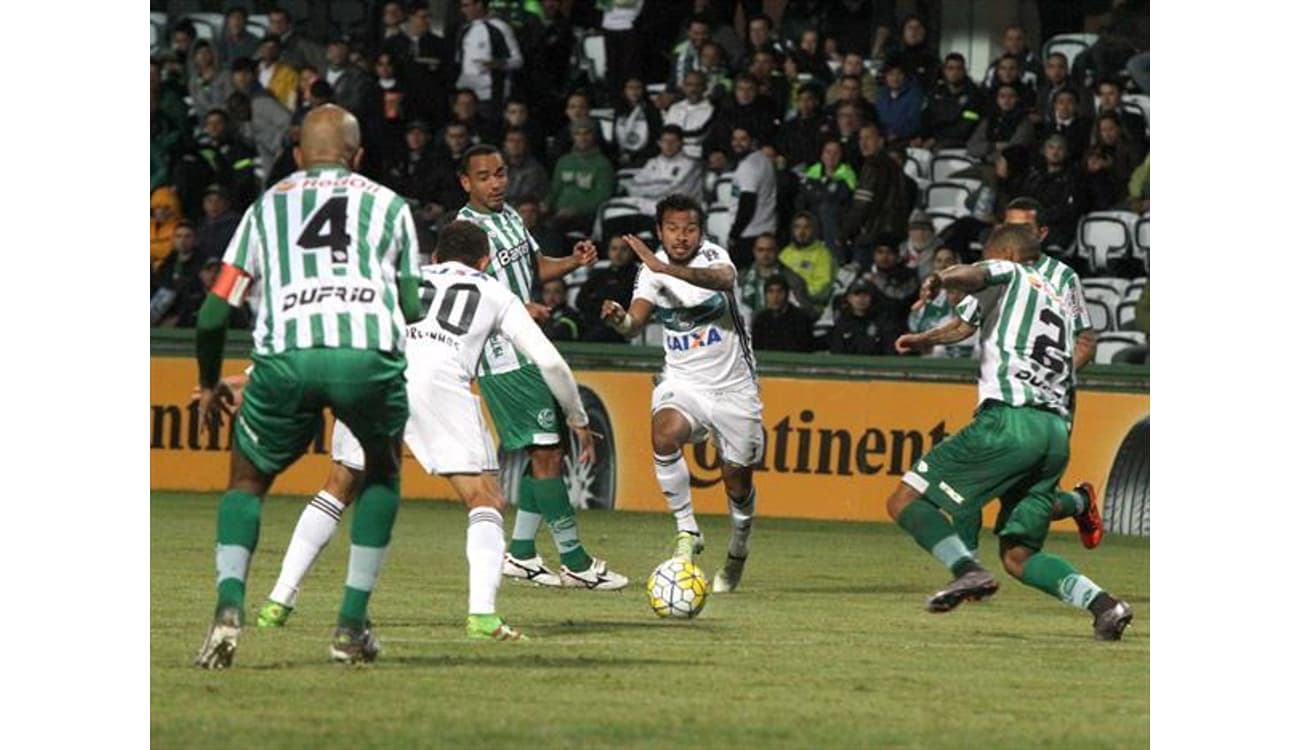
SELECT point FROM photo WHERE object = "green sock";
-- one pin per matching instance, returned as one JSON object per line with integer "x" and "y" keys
{"x": 528, "y": 519}
{"x": 1056, "y": 577}
{"x": 239, "y": 519}
{"x": 372, "y": 529}
{"x": 1068, "y": 505}
{"x": 553, "y": 500}
{"x": 932, "y": 530}
{"x": 968, "y": 530}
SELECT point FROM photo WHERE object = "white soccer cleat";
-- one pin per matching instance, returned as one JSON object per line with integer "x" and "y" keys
{"x": 728, "y": 578}
{"x": 688, "y": 544}
{"x": 218, "y": 649}
{"x": 597, "y": 578}
{"x": 532, "y": 570}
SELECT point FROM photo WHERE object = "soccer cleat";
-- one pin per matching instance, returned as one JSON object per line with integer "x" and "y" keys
{"x": 728, "y": 578}
{"x": 532, "y": 570}
{"x": 273, "y": 615}
{"x": 687, "y": 545}
{"x": 598, "y": 577}
{"x": 218, "y": 649}
{"x": 971, "y": 586}
{"x": 352, "y": 646}
{"x": 1089, "y": 521}
{"x": 1109, "y": 625}
{"x": 491, "y": 628}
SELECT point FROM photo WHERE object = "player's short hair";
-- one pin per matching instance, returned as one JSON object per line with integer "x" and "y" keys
{"x": 481, "y": 149}
{"x": 1023, "y": 243}
{"x": 462, "y": 241}
{"x": 678, "y": 202}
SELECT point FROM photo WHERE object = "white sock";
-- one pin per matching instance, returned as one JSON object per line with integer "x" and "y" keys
{"x": 675, "y": 482}
{"x": 485, "y": 547}
{"x": 742, "y": 520}
{"x": 315, "y": 528}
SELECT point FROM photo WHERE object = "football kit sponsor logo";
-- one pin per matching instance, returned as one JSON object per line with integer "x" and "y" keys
{"x": 546, "y": 418}
{"x": 693, "y": 340}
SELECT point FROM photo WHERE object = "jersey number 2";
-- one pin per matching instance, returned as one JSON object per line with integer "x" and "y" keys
{"x": 329, "y": 228}
{"x": 429, "y": 292}
{"x": 1049, "y": 351}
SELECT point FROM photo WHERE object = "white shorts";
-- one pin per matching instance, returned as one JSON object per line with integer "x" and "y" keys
{"x": 733, "y": 417}
{"x": 445, "y": 433}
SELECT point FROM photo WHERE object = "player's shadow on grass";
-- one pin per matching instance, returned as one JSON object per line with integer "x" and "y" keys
{"x": 840, "y": 588}
{"x": 583, "y": 627}
{"x": 520, "y": 658}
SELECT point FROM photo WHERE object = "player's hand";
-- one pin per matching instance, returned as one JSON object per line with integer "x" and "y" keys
{"x": 584, "y": 253}
{"x": 929, "y": 290}
{"x": 910, "y": 342}
{"x": 643, "y": 252}
{"x": 228, "y": 395}
{"x": 540, "y": 313}
{"x": 611, "y": 311}
{"x": 586, "y": 443}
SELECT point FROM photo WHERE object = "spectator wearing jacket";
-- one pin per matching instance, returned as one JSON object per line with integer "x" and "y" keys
{"x": 1007, "y": 72}
{"x": 747, "y": 109}
{"x": 755, "y": 186}
{"x": 897, "y": 283}
{"x": 219, "y": 223}
{"x": 296, "y": 49}
{"x": 686, "y": 56}
{"x": 583, "y": 179}
{"x": 780, "y": 326}
{"x": 164, "y": 217}
{"x": 636, "y": 125}
{"x": 235, "y": 40}
{"x": 672, "y": 171}
{"x": 879, "y": 210}
{"x": 694, "y": 115}
{"x": 1054, "y": 183}
{"x": 1066, "y": 121}
{"x": 801, "y": 136}
{"x": 1006, "y": 124}
{"x": 615, "y": 281}
{"x": 811, "y": 259}
{"x": 564, "y": 323}
{"x": 351, "y": 84}
{"x": 487, "y": 53}
{"x": 914, "y": 54}
{"x": 1109, "y": 100}
{"x": 899, "y": 104}
{"x": 1015, "y": 46}
{"x": 767, "y": 264}
{"x": 279, "y": 78}
{"x": 424, "y": 61}
{"x": 826, "y": 190}
{"x": 848, "y": 121}
{"x": 527, "y": 175}
{"x": 1056, "y": 77}
{"x": 864, "y": 326}
{"x": 954, "y": 108}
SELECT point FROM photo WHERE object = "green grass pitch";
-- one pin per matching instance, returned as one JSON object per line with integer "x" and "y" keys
{"x": 825, "y": 645}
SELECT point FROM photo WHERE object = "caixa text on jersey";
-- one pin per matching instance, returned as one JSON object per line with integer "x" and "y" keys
{"x": 320, "y": 294}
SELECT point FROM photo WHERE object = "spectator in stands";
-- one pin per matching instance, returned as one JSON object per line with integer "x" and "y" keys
{"x": 636, "y": 125}
{"x": 219, "y": 223}
{"x": 1100, "y": 186}
{"x": 879, "y": 210}
{"x": 914, "y": 53}
{"x": 863, "y": 326}
{"x": 1014, "y": 46}
{"x": 850, "y": 90}
{"x": 1139, "y": 187}
{"x": 351, "y": 84}
{"x": 761, "y": 39}
{"x": 807, "y": 58}
{"x": 670, "y": 172}
{"x": 1011, "y": 171}
{"x": 177, "y": 277}
{"x": 826, "y": 190}
{"x": 424, "y": 61}
{"x": 577, "y": 108}
{"x": 686, "y": 56}
{"x": 164, "y": 216}
{"x": 718, "y": 81}
{"x": 488, "y": 53}
{"x": 391, "y": 19}
{"x": 767, "y": 264}
{"x": 583, "y": 179}
{"x": 527, "y": 175}
{"x": 897, "y": 283}
{"x": 623, "y": 53}
{"x": 1056, "y": 77}
{"x": 182, "y": 42}
{"x": 858, "y": 27}
{"x": 801, "y": 136}
{"x": 615, "y": 281}
{"x": 564, "y": 323}
{"x": 546, "y": 41}
{"x": 1054, "y": 183}
{"x": 899, "y": 104}
{"x": 787, "y": 186}
{"x": 1115, "y": 142}
{"x": 411, "y": 173}
{"x": 296, "y": 49}
{"x": 780, "y": 326}
{"x": 954, "y": 108}
{"x": 235, "y": 40}
{"x": 279, "y": 78}
{"x": 1006, "y": 124}
{"x": 259, "y": 117}
{"x": 747, "y": 109}
{"x": 552, "y": 243}
{"x": 921, "y": 245}
{"x": 465, "y": 110}
{"x": 754, "y": 212}
{"x": 938, "y": 311}
{"x": 810, "y": 258}
{"x": 694, "y": 115}
{"x": 520, "y": 115}
{"x": 771, "y": 80}
{"x": 208, "y": 84}
{"x": 1109, "y": 99}
{"x": 855, "y": 68}
{"x": 1007, "y": 72}
{"x": 848, "y": 121}
{"x": 231, "y": 157}
{"x": 390, "y": 122}
{"x": 1065, "y": 120}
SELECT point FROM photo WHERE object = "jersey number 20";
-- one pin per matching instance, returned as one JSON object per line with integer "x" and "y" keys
{"x": 429, "y": 293}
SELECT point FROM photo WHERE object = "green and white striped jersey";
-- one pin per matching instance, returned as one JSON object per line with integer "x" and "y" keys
{"x": 513, "y": 263}
{"x": 1026, "y": 337}
{"x": 1068, "y": 285}
{"x": 324, "y": 249}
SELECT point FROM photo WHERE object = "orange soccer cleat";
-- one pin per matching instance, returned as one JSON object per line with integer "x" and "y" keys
{"x": 1089, "y": 521}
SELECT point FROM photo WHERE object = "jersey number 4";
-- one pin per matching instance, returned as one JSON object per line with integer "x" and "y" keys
{"x": 329, "y": 228}
{"x": 460, "y": 326}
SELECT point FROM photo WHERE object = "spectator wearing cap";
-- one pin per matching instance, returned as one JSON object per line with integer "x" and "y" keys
{"x": 767, "y": 263}
{"x": 801, "y": 136}
{"x": 939, "y": 311}
{"x": 917, "y": 251}
{"x": 1066, "y": 121}
{"x": 693, "y": 114}
{"x": 219, "y": 222}
{"x": 811, "y": 259}
{"x": 352, "y": 85}
{"x": 826, "y": 190}
{"x": 1054, "y": 182}
{"x": 880, "y": 209}
{"x": 954, "y": 107}
{"x": 897, "y": 283}
{"x": 164, "y": 217}
{"x": 899, "y": 104}
{"x": 279, "y": 78}
{"x": 754, "y": 185}
{"x": 615, "y": 281}
{"x": 864, "y": 325}
{"x": 235, "y": 40}
{"x": 296, "y": 49}
{"x": 583, "y": 179}
{"x": 423, "y": 60}
{"x": 780, "y": 326}
{"x": 527, "y": 175}
{"x": 1006, "y": 124}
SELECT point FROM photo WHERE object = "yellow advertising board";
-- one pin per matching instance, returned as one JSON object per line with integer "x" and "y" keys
{"x": 835, "y": 448}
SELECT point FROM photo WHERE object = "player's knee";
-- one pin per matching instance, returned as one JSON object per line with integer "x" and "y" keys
{"x": 901, "y": 497}
{"x": 483, "y": 497}
{"x": 547, "y": 461}
{"x": 1014, "y": 558}
{"x": 738, "y": 481}
{"x": 344, "y": 483}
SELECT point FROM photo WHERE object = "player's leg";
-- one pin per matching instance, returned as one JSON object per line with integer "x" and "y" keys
{"x": 926, "y": 522}
{"x": 485, "y": 546}
{"x": 1080, "y": 504}
{"x": 737, "y": 423}
{"x": 314, "y": 530}
{"x": 742, "y": 499}
{"x": 670, "y": 431}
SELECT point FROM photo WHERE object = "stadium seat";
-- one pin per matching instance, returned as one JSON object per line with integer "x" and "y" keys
{"x": 620, "y": 216}
{"x": 1105, "y": 286}
{"x": 1105, "y": 238}
{"x": 1140, "y": 103}
{"x": 591, "y": 56}
{"x": 155, "y": 36}
{"x": 950, "y": 193}
{"x": 1069, "y": 45}
{"x": 1110, "y": 343}
{"x": 257, "y": 24}
{"x": 918, "y": 161}
{"x": 1142, "y": 241}
{"x": 942, "y": 216}
{"x": 625, "y": 176}
{"x": 1103, "y": 294}
{"x": 1126, "y": 316}
{"x": 605, "y": 118}
{"x": 1100, "y": 316}
{"x": 1134, "y": 290}
{"x": 718, "y": 224}
{"x": 947, "y": 161}
{"x": 722, "y": 191}
{"x": 207, "y": 25}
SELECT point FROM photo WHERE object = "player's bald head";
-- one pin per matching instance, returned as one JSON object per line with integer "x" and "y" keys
{"x": 1015, "y": 241}
{"x": 330, "y": 135}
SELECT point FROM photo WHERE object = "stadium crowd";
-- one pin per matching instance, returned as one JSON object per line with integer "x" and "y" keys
{"x": 842, "y": 155}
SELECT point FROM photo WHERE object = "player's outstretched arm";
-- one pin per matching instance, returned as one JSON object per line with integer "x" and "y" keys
{"x": 628, "y": 323}
{"x": 720, "y": 277}
{"x": 951, "y": 332}
{"x": 584, "y": 254}
{"x": 959, "y": 278}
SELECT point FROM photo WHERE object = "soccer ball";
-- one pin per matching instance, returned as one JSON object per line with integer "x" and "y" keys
{"x": 677, "y": 588}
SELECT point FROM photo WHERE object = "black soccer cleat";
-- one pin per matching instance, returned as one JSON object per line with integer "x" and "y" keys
{"x": 354, "y": 647}
{"x": 1109, "y": 625}
{"x": 971, "y": 586}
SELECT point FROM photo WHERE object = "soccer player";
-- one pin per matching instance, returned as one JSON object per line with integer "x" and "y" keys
{"x": 1018, "y": 445}
{"x": 463, "y": 307}
{"x": 521, "y": 406}
{"x": 329, "y": 258}
{"x": 709, "y": 383}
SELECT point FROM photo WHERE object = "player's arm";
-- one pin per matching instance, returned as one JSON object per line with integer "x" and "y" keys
{"x": 408, "y": 274}
{"x": 720, "y": 276}
{"x": 628, "y": 322}
{"x": 1085, "y": 339}
{"x": 963, "y": 278}
{"x": 963, "y": 323}
{"x": 1085, "y": 348}
{"x": 584, "y": 254}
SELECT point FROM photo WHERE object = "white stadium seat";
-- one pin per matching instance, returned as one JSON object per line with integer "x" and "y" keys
{"x": 1106, "y": 237}
{"x": 947, "y": 161}
{"x": 917, "y": 165}
{"x": 1126, "y": 316}
{"x": 614, "y": 208}
{"x": 604, "y": 118}
{"x": 723, "y": 191}
{"x": 207, "y": 25}
{"x": 1110, "y": 343}
{"x": 593, "y": 56}
{"x": 1142, "y": 241}
{"x": 1134, "y": 290}
{"x": 1069, "y": 45}
{"x": 1099, "y": 314}
{"x": 625, "y": 177}
{"x": 942, "y": 216}
{"x": 1140, "y": 103}
{"x": 718, "y": 224}
{"x": 946, "y": 195}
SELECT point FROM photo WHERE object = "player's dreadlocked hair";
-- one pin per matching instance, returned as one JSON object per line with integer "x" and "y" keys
{"x": 678, "y": 202}
{"x": 462, "y": 241}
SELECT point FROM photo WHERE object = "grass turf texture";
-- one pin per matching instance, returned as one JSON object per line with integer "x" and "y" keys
{"x": 825, "y": 645}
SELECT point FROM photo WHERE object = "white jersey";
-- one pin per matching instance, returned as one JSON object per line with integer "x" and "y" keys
{"x": 663, "y": 175}
{"x": 755, "y": 174}
{"x": 477, "y": 50}
{"x": 462, "y": 309}
{"x": 706, "y": 343}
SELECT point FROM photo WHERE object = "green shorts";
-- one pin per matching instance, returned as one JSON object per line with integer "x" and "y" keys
{"x": 522, "y": 408}
{"x": 1013, "y": 452}
{"x": 281, "y": 412}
